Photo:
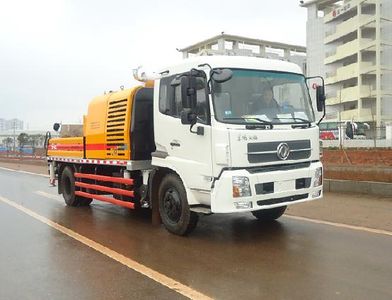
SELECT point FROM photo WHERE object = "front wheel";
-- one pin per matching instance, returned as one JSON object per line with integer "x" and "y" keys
{"x": 269, "y": 214}
{"x": 174, "y": 208}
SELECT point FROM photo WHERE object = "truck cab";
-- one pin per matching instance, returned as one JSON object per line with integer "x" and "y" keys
{"x": 239, "y": 151}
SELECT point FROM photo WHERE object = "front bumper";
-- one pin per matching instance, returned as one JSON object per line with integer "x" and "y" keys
{"x": 268, "y": 189}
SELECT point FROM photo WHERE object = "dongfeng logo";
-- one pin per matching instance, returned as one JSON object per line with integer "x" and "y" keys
{"x": 283, "y": 151}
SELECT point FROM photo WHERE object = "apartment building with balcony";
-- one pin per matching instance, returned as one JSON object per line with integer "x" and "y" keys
{"x": 350, "y": 44}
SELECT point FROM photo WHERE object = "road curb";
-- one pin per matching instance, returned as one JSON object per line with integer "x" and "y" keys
{"x": 361, "y": 187}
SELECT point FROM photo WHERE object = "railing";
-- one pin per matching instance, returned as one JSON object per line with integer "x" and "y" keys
{"x": 366, "y": 114}
{"x": 346, "y": 50}
{"x": 373, "y": 137}
{"x": 347, "y": 27}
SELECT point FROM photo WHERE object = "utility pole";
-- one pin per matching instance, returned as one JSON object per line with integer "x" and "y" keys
{"x": 14, "y": 128}
{"x": 340, "y": 119}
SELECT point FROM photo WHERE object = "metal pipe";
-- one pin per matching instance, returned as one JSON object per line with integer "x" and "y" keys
{"x": 106, "y": 199}
{"x": 105, "y": 178}
{"x": 104, "y": 189}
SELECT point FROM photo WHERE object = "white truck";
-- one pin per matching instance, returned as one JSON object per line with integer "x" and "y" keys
{"x": 220, "y": 146}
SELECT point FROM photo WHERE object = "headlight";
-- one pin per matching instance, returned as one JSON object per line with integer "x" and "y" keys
{"x": 318, "y": 177}
{"x": 241, "y": 186}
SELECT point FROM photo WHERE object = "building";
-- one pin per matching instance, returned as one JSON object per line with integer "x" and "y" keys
{"x": 9, "y": 139}
{"x": 13, "y": 124}
{"x": 350, "y": 44}
{"x": 225, "y": 44}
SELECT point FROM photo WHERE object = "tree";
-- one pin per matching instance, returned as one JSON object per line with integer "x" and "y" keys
{"x": 23, "y": 139}
{"x": 8, "y": 143}
{"x": 36, "y": 140}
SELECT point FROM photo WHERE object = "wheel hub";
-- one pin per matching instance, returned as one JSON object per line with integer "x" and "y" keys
{"x": 172, "y": 205}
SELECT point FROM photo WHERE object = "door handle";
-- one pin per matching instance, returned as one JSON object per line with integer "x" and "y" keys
{"x": 175, "y": 144}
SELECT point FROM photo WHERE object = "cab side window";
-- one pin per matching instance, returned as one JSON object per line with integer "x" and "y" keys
{"x": 166, "y": 97}
{"x": 170, "y": 99}
{"x": 202, "y": 100}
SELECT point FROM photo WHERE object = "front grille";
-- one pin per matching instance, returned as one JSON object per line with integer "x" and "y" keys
{"x": 267, "y": 152}
{"x": 282, "y": 200}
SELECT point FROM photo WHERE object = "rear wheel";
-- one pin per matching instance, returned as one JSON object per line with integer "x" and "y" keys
{"x": 269, "y": 214}
{"x": 174, "y": 208}
{"x": 68, "y": 184}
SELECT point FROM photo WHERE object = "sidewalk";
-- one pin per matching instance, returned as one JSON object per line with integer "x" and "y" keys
{"x": 39, "y": 167}
{"x": 347, "y": 208}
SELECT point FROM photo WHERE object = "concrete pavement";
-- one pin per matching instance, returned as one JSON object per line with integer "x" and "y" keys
{"x": 227, "y": 257}
{"x": 37, "y": 262}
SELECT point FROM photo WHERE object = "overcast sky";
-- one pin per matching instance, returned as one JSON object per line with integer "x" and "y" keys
{"x": 55, "y": 55}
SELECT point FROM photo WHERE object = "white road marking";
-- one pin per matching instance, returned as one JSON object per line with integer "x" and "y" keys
{"x": 146, "y": 271}
{"x": 50, "y": 196}
{"x": 341, "y": 225}
{"x": 31, "y": 173}
{"x": 7, "y": 169}
{"x": 24, "y": 172}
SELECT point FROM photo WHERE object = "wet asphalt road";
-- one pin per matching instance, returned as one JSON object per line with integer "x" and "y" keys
{"x": 227, "y": 256}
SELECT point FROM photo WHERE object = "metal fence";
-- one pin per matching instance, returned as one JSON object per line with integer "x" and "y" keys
{"x": 365, "y": 137}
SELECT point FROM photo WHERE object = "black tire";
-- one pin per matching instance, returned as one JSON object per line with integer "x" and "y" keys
{"x": 68, "y": 184}
{"x": 269, "y": 214}
{"x": 174, "y": 208}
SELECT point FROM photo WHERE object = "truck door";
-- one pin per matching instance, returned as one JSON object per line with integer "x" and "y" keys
{"x": 188, "y": 153}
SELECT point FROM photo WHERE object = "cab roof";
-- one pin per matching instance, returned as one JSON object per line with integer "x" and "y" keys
{"x": 235, "y": 62}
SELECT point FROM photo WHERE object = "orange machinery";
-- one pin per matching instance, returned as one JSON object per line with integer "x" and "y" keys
{"x": 106, "y": 129}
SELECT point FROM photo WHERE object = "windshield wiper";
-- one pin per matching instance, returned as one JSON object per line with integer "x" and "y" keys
{"x": 265, "y": 124}
{"x": 303, "y": 121}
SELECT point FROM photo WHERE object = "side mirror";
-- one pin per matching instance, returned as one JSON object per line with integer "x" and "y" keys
{"x": 188, "y": 117}
{"x": 56, "y": 126}
{"x": 221, "y": 75}
{"x": 320, "y": 97}
{"x": 188, "y": 91}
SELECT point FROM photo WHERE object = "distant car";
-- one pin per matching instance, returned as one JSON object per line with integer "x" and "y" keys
{"x": 327, "y": 135}
{"x": 329, "y": 130}
{"x": 359, "y": 129}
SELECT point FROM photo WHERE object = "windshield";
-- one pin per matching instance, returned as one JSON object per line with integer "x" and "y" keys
{"x": 253, "y": 96}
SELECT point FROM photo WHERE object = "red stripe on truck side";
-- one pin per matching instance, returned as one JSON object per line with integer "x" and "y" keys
{"x": 67, "y": 147}
{"x": 100, "y": 147}
{"x": 96, "y": 146}
{"x": 106, "y": 199}
{"x": 79, "y": 147}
